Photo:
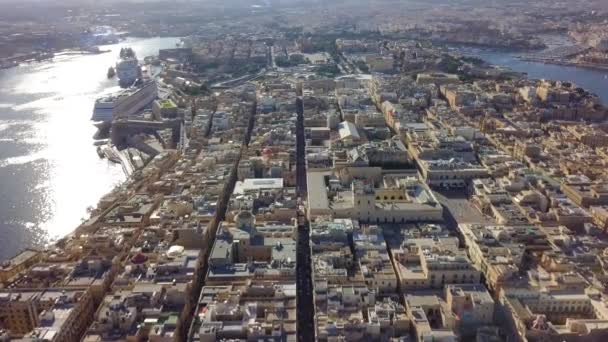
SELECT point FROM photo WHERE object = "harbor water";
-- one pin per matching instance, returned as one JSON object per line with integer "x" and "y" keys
{"x": 50, "y": 172}
{"x": 595, "y": 81}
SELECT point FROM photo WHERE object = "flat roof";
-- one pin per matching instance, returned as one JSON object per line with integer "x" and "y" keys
{"x": 347, "y": 129}
{"x": 167, "y": 104}
{"x": 317, "y": 191}
{"x": 257, "y": 184}
{"x": 20, "y": 258}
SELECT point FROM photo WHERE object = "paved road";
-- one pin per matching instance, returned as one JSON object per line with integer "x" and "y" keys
{"x": 272, "y": 63}
{"x": 234, "y": 82}
{"x": 459, "y": 209}
{"x": 305, "y": 302}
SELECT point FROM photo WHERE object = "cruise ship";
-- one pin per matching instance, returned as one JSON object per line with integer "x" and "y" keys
{"x": 124, "y": 103}
{"x": 127, "y": 68}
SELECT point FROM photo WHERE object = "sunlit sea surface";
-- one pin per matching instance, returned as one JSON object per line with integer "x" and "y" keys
{"x": 49, "y": 170}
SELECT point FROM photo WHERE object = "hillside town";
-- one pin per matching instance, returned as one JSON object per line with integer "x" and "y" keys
{"x": 54, "y": 27}
{"x": 347, "y": 189}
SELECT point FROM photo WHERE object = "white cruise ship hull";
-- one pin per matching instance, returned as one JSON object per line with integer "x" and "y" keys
{"x": 125, "y": 103}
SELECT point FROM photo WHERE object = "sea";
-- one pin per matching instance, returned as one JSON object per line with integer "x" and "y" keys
{"x": 50, "y": 173}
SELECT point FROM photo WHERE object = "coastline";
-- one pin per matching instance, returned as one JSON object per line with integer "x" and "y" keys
{"x": 46, "y": 56}
{"x": 47, "y": 191}
{"x": 42, "y": 57}
{"x": 565, "y": 63}
{"x": 589, "y": 77}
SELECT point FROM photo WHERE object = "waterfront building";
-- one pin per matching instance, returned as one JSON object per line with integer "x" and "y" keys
{"x": 18, "y": 263}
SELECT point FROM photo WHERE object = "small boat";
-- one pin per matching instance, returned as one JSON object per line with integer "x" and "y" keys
{"x": 111, "y": 72}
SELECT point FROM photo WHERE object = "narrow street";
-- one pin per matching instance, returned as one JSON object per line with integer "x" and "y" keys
{"x": 305, "y": 302}
{"x": 222, "y": 206}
